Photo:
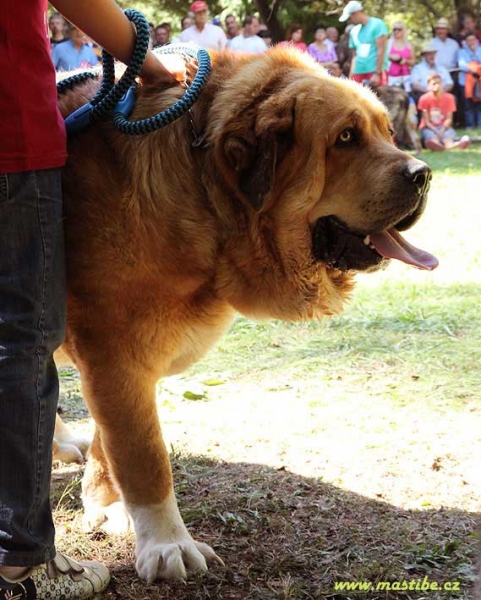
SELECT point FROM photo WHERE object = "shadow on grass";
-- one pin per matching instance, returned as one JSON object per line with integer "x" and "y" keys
{"x": 286, "y": 536}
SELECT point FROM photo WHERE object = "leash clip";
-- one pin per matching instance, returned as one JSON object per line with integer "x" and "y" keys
{"x": 80, "y": 119}
{"x": 126, "y": 104}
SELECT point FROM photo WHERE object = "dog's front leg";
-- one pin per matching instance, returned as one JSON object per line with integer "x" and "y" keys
{"x": 123, "y": 406}
{"x": 165, "y": 549}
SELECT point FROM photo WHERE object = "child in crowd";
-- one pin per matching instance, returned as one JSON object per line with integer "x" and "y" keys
{"x": 437, "y": 108}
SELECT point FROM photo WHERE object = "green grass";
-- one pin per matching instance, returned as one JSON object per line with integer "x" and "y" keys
{"x": 340, "y": 450}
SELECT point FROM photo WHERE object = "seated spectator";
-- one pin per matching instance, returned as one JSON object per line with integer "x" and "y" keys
{"x": 248, "y": 41}
{"x": 201, "y": 32}
{"x": 469, "y": 60}
{"x": 231, "y": 28}
{"x": 322, "y": 49}
{"x": 332, "y": 34}
{"x": 467, "y": 25}
{"x": 58, "y": 28}
{"x": 161, "y": 35}
{"x": 75, "y": 53}
{"x": 185, "y": 22}
{"x": 336, "y": 71}
{"x": 294, "y": 37}
{"x": 265, "y": 35}
{"x": 420, "y": 72}
{"x": 401, "y": 57}
{"x": 438, "y": 107}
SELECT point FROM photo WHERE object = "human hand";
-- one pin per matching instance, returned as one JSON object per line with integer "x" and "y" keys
{"x": 375, "y": 80}
{"x": 167, "y": 69}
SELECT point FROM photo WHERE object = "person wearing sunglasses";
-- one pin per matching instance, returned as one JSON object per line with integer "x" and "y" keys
{"x": 401, "y": 57}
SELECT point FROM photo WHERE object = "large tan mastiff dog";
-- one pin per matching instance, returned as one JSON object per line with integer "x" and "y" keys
{"x": 296, "y": 186}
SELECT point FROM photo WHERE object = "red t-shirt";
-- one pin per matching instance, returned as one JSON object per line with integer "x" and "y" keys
{"x": 32, "y": 133}
{"x": 437, "y": 108}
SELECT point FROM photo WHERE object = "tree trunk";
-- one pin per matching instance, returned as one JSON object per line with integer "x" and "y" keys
{"x": 467, "y": 6}
{"x": 268, "y": 13}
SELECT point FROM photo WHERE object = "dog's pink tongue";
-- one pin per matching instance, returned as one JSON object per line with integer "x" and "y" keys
{"x": 391, "y": 244}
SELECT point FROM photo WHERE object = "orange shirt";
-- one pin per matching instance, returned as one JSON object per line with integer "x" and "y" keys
{"x": 437, "y": 108}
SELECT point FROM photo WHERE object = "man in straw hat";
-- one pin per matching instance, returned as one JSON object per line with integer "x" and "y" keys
{"x": 447, "y": 57}
{"x": 446, "y": 47}
{"x": 368, "y": 41}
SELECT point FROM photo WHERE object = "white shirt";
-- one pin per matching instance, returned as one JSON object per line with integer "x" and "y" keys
{"x": 447, "y": 52}
{"x": 420, "y": 73}
{"x": 252, "y": 44}
{"x": 211, "y": 37}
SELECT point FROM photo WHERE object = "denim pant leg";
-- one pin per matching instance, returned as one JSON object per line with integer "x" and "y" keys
{"x": 477, "y": 113}
{"x": 469, "y": 113}
{"x": 32, "y": 317}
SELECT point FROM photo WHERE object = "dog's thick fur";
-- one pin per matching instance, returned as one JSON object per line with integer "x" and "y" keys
{"x": 166, "y": 241}
{"x": 402, "y": 117}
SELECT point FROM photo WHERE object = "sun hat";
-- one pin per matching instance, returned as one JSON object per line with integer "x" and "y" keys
{"x": 442, "y": 24}
{"x": 428, "y": 47}
{"x": 351, "y": 7}
{"x": 198, "y": 6}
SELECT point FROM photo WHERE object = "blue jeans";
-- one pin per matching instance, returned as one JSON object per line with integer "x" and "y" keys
{"x": 472, "y": 113}
{"x": 32, "y": 326}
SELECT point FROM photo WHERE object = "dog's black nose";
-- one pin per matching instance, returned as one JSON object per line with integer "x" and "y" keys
{"x": 418, "y": 173}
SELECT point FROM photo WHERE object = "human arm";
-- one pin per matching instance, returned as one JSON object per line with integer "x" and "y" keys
{"x": 222, "y": 44}
{"x": 105, "y": 22}
{"x": 381, "y": 43}
{"x": 447, "y": 80}
{"x": 353, "y": 62}
{"x": 418, "y": 83}
{"x": 411, "y": 60}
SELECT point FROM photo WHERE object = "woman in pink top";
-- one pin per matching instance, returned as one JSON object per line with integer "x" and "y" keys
{"x": 401, "y": 57}
{"x": 294, "y": 37}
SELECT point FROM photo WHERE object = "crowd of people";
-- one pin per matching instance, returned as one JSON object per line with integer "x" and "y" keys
{"x": 376, "y": 56}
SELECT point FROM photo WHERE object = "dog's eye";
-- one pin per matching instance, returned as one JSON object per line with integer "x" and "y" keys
{"x": 391, "y": 131}
{"x": 346, "y": 136}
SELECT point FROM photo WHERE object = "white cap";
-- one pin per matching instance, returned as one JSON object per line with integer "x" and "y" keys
{"x": 351, "y": 7}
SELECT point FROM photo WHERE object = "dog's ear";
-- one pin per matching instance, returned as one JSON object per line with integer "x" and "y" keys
{"x": 253, "y": 145}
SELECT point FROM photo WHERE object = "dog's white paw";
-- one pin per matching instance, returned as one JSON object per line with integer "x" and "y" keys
{"x": 174, "y": 560}
{"x": 164, "y": 547}
{"x": 67, "y": 453}
{"x": 112, "y": 519}
{"x": 68, "y": 447}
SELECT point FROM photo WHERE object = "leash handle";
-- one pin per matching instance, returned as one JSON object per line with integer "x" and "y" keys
{"x": 116, "y": 101}
{"x": 175, "y": 111}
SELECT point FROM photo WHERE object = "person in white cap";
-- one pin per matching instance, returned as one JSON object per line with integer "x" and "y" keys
{"x": 368, "y": 41}
{"x": 201, "y": 32}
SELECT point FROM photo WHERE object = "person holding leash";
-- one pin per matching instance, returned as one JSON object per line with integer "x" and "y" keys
{"x": 33, "y": 288}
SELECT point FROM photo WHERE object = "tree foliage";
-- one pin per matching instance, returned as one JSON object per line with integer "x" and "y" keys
{"x": 419, "y": 15}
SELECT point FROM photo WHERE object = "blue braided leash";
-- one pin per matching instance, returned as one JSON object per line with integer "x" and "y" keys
{"x": 116, "y": 101}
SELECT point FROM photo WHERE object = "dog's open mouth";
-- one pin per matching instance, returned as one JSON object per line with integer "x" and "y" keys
{"x": 334, "y": 244}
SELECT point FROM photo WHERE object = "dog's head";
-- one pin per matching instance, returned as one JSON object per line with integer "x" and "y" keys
{"x": 312, "y": 162}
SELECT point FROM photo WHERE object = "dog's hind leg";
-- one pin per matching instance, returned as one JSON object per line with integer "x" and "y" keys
{"x": 103, "y": 507}
{"x": 121, "y": 399}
